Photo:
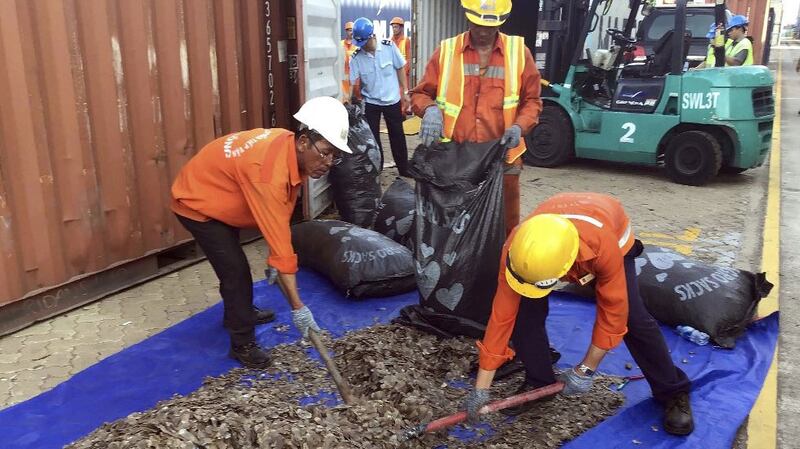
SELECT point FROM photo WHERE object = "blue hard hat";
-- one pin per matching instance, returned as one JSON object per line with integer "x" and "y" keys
{"x": 362, "y": 31}
{"x": 712, "y": 31}
{"x": 737, "y": 21}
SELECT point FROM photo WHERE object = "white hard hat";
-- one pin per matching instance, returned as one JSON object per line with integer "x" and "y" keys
{"x": 327, "y": 116}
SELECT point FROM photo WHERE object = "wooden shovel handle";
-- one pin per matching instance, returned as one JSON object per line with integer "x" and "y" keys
{"x": 344, "y": 389}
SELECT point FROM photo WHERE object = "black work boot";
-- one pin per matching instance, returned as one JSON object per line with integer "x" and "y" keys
{"x": 264, "y": 316}
{"x": 522, "y": 408}
{"x": 250, "y": 355}
{"x": 678, "y": 415}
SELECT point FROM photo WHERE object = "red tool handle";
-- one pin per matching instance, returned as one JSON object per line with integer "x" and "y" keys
{"x": 512, "y": 401}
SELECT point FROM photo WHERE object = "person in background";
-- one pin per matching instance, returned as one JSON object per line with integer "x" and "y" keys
{"x": 480, "y": 86}
{"x": 740, "y": 51}
{"x": 349, "y": 48}
{"x": 251, "y": 179}
{"x": 711, "y": 59}
{"x": 380, "y": 68}
{"x": 580, "y": 238}
{"x": 403, "y": 43}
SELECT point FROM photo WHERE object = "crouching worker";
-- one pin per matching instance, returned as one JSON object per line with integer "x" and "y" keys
{"x": 251, "y": 179}
{"x": 576, "y": 237}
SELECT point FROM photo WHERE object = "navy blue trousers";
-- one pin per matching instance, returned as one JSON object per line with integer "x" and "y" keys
{"x": 644, "y": 341}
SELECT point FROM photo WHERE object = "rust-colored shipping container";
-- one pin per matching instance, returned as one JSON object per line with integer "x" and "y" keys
{"x": 104, "y": 101}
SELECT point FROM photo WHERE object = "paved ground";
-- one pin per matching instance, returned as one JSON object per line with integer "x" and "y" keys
{"x": 720, "y": 223}
{"x": 789, "y": 349}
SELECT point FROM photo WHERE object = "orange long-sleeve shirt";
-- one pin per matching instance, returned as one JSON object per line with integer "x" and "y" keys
{"x": 481, "y": 117}
{"x": 247, "y": 179}
{"x": 605, "y": 237}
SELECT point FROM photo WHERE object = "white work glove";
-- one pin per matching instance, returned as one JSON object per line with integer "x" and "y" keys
{"x": 511, "y": 137}
{"x": 304, "y": 321}
{"x": 432, "y": 124}
{"x": 574, "y": 383}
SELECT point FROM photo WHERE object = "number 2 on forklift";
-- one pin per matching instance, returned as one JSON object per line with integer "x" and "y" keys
{"x": 700, "y": 100}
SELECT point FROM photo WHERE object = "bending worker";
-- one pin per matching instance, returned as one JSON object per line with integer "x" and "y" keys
{"x": 740, "y": 50}
{"x": 380, "y": 70}
{"x": 576, "y": 237}
{"x": 251, "y": 179}
{"x": 480, "y": 86}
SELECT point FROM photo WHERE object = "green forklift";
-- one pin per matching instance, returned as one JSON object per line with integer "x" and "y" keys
{"x": 609, "y": 107}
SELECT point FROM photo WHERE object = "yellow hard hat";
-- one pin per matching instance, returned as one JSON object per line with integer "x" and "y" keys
{"x": 490, "y": 13}
{"x": 348, "y": 26}
{"x": 542, "y": 251}
{"x": 397, "y": 21}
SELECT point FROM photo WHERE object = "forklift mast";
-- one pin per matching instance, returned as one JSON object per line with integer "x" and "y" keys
{"x": 563, "y": 21}
{"x": 719, "y": 18}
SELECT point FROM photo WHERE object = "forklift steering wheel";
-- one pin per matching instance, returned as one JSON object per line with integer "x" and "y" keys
{"x": 619, "y": 37}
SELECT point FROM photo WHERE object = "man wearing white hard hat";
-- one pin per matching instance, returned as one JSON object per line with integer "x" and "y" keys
{"x": 251, "y": 179}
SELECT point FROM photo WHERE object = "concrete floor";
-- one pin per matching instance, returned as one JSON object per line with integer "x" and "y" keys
{"x": 789, "y": 343}
{"x": 719, "y": 223}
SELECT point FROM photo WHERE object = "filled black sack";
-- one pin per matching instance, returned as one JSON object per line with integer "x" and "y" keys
{"x": 719, "y": 301}
{"x": 355, "y": 184}
{"x": 396, "y": 212}
{"x": 458, "y": 228}
{"x": 361, "y": 263}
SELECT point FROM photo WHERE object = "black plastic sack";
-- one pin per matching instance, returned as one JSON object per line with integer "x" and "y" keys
{"x": 356, "y": 188}
{"x": 444, "y": 325}
{"x": 361, "y": 263}
{"x": 458, "y": 229}
{"x": 719, "y": 301}
{"x": 396, "y": 212}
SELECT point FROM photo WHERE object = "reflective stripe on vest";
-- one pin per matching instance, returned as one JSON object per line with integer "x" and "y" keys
{"x": 711, "y": 58}
{"x": 743, "y": 44}
{"x": 623, "y": 240}
{"x": 450, "y": 94}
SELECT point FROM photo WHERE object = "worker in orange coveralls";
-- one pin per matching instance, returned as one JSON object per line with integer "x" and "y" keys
{"x": 580, "y": 238}
{"x": 251, "y": 179}
{"x": 499, "y": 98}
{"x": 349, "y": 49}
{"x": 403, "y": 43}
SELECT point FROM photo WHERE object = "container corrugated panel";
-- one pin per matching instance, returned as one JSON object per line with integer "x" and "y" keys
{"x": 434, "y": 21}
{"x": 322, "y": 73}
{"x": 105, "y": 100}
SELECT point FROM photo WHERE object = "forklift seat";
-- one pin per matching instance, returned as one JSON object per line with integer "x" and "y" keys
{"x": 661, "y": 62}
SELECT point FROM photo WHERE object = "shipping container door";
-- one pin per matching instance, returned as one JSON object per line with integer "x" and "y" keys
{"x": 323, "y": 71}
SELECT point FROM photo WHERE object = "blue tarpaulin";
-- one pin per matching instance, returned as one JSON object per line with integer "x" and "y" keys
{"x": 175, "y": 361}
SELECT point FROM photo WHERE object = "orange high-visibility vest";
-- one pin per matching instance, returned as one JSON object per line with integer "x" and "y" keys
{"x": 450, "y": 93}
{"x": 402, "y": 45}
{"x": 349, "y": 49}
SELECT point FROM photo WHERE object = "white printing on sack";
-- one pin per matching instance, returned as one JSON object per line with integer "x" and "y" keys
{"x": 706, "y": 284}
{"x": 356, "y": 257}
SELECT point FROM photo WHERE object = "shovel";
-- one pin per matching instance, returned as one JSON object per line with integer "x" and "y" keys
{"x": 512, "y": 401}
{"x": 344, "y": 389}
{"x": 341, "y": 384}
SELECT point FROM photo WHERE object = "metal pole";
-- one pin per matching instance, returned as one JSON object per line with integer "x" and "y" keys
{"x": 679, "y": 42}
{"x": 719, "y": 19}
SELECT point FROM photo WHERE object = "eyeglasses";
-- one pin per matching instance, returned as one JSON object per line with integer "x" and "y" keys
{"x": 335, "y": 160}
